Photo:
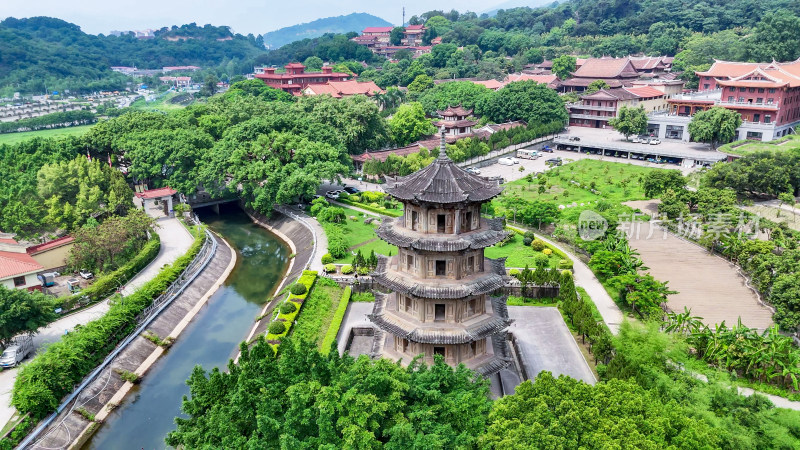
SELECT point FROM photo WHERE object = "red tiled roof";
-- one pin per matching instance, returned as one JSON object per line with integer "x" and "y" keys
{"x": 415, "y": 27}
{"x": 647, "y": 62}
{"x": 377, "y": 30}
{"x": 156, "y": 193}
{"x": 491, "y": 84}
{"x": 585, "y": 82}
{"x": 344, "y": 88}
{"x": 543, "y": 79}
{"x": 645, "y": 92}
{"x": 606, "y": 68}
{"x": 15, "y": 264}
{"x": 32, "y": 250}
{"x": 294, "y": 66}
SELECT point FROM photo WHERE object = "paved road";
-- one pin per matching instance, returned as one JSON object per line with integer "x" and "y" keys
{"x": 545, "y": 343}
{"x": 319, "y": 236}
{"x": 175, "y": 241}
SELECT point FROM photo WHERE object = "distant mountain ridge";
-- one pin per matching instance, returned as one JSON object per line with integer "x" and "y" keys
{"x": 316, "y": 28}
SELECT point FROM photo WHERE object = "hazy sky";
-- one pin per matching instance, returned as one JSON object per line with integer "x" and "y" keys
{"x": 244, "y": 16}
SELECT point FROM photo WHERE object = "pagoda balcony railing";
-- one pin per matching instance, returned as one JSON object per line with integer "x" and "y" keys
{"x": 590, "y": 116}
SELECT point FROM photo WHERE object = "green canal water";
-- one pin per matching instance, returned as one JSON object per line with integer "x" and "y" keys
{"x": 147, "y": 414}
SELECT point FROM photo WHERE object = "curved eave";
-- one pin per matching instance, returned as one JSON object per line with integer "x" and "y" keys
{"x": 491, "y": 280}
{"x": 394, "y": 234}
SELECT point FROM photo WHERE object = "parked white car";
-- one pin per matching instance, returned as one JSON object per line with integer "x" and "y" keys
{"x": 333, "y": 195}
{"x": 635, "y": 140}
{"x": 474, "y": 171}
{"x": 506, "y": 161}
{"x": 654, "y": 141}
{"x": 86, "y": 275}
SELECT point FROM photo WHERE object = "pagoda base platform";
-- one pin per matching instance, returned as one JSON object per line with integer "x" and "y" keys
{"x": 497, "y": 357}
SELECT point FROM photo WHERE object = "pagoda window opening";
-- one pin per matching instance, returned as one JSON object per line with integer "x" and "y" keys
{"x": 441, "y": 267}
{"x": 472, "y": 307}
{"x": 473, "y": 346}
{"x": 468, "y": 221}
{"x": 404, "y": 345}
{"x": 440, "y": 223}
{"x": 438, "y": 351}
{"x": 439, "y": 312}
{"x": 470, "y": 264}
{"x": 414, "y": 220}
{"x": 409, "y": 262}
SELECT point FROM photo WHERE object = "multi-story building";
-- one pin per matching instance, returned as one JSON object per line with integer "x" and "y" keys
{"x": 381, "y": 35}
{"x": 596, "y": 109}
{"x": 412, "y": 35}
{"x": 296, "y": 78}
{"x": 18, "y": 269}
{"x": 440, "y": 280}
{"x": 766, "y": 95}
{"x": 616, "y": 72}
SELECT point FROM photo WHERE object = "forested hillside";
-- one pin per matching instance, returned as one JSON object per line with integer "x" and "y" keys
{"x": 41, "y": 53}
{"x": 354, "y": 22}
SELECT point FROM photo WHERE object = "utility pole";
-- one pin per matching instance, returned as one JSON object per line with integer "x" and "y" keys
{"x": 404, "y": 16}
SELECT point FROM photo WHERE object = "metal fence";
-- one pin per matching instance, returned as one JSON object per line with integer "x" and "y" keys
{"x": 143, "y": 320}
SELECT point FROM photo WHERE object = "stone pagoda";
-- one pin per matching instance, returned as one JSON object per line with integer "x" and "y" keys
{"x": 455, "y": 121}
{"x": 440, "y": 281}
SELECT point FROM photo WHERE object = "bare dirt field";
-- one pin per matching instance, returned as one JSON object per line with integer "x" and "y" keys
{"x": 710, "y": 286}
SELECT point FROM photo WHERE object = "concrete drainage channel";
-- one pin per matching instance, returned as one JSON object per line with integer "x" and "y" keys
{"x": 144, "y": 319}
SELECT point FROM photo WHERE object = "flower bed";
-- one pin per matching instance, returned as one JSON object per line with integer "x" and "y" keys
{"x": 336, "y": 323}
{"x": 307, "y": 279}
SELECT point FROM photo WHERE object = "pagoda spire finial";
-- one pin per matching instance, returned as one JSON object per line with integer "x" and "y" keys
{"x": 442, "y": 145}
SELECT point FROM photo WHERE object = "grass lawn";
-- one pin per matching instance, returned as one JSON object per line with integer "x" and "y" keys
{"x": 13, "y": 138}
{"x": 519, "y": 254}
{"x": 361, "y": 236}
{"x": 572, "y": 183}
{"x": 162, "y": 104}
{"x": 318, "y": 311}
{"x": 742, "y": 148}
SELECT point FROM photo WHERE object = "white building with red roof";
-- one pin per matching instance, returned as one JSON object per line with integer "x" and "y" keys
{"x": 18, "y": 269}
{"x": 155, "y": 202}
{"x": 295, "y": 79}
{"x": 596, "y": 109}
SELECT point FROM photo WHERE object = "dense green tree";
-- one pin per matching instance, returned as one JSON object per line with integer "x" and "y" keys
{"x": 312, "y": 400}
{"x": 22, "y": 311}
{"x": 104, "y": 247}
{"x": 524, "y": 100}
{"x": 715, "y": 126}
{"x": 630, "y": 120}
{"x": 657, "y": 182}
{"x": 420, "y": 84}
{"x": 313, "y": 63}
{"x": 566, "y": 413}
{"x": 776, "y": 37}
{"x": 464, "y": 93}
{"x": 409, "y": 124}
{"x": 563, "y": 66}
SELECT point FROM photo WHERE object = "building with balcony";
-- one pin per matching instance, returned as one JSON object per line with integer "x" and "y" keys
{"x": 596, "y": 109}
{"x": 295, "y": 79}
{"x": 412, "y": 35}
{"x": 440, "y": 282}
{"x": 616, "y": 72}
{"x": 766, "y": 95}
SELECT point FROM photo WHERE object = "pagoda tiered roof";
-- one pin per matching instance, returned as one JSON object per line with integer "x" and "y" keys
{"x": 442, "y": 182}
{"x": 500, "y": 359}
{"x": 394, "y": 233}
{"x": 437, "y": 288}
{"x": 441, "y": 334}
{"x": 457, "y": 111}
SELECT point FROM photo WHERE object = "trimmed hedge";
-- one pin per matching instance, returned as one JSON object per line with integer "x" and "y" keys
{"x": 307, "y": 279}
{"x": 53, "y": 373}
{"x": 106, "y": 285}
{"x": 378, "y": 210}
{"x": 298, "y": 289}
{"x": 336, "y": 323}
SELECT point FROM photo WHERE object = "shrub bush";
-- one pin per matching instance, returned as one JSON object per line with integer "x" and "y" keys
{"x": 347, "y": 269}
{"x": 327, "y": 258}
{"x": 288, "y": 308}
{"x": 298, "y": 289}
{"x": 277, "y": 327}
{"x": 336, "y": 322}
{"x": 337, "y": 243}
{"x": 565, "y": 264}
{"x": 526, "y": 240}
{"x": 541, "y": 260}
{"x": 538, "y": 245}
{"x": 547, "y": 252}
{"x": 329, "y": 268}
{"x": 513, "y": 272}
{"x": 363, "y": 270}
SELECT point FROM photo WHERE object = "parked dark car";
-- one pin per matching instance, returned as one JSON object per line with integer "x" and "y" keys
{"x": 547, "y": 149}
{"x": 351, "y": 190}
{"x": 575, "y": 138}
{"x": 553, "y": 162}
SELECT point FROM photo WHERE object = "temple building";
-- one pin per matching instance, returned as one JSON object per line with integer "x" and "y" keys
{"x": 295, "y": 79}
{"x": 455, "y": 121}
{"x": 440, "y": 282}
